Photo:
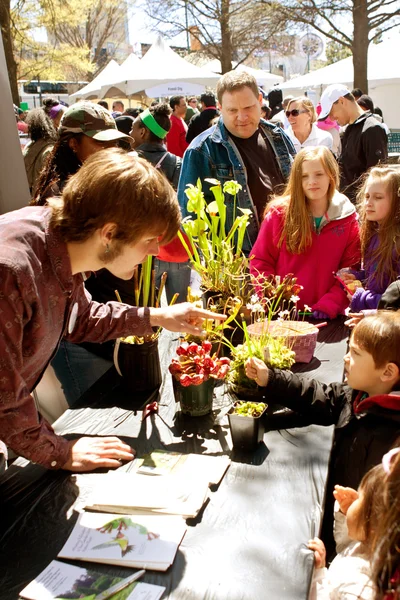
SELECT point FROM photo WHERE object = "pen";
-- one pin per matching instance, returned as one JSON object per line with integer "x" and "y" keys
{"x": 120, "y": 586}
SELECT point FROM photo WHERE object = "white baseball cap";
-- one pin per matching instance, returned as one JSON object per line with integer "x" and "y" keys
{"x": 330, "y": 95}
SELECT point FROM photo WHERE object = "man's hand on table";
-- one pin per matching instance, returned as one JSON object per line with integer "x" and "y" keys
{"x": 89, "y": 453}
{"x": 185, "y": 318}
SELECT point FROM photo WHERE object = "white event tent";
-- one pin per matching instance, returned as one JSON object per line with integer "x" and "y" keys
{"x": 162, "y": 72}
{"x": 92, "y": 89}
{"x": 383, "y": 79}
{"x": 263, "y": 78}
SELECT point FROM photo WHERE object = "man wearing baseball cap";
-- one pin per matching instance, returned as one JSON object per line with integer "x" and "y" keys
{"x": 364, "y": 142}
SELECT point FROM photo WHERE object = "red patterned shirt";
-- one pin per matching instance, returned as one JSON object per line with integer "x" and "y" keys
{"x": 41, "y": 302}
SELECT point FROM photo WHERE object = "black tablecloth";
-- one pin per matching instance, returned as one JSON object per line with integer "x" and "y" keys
{"x": 248, "y": 543}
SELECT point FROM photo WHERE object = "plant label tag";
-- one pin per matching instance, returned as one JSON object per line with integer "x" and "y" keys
{"x": 267, "y": 355}
{"x": 73, "y": 317}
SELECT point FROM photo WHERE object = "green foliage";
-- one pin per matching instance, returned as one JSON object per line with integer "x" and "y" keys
{"x": 249, "y": 409}
{"x": 336, "y": 51}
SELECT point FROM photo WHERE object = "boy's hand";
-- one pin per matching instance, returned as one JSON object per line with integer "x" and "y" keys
{"x": 354, "y": 319}
{"x": 318, "y": 547}
{"x": 256, "y": 369}
{"x": 345, "y": 496}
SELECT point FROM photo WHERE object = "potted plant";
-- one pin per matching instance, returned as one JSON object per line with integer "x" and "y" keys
{"x": 136, "y": 358}
{"x": 246, "y": 424}
{"x": 217, "y": 254}
{"x": 194, "y": 375}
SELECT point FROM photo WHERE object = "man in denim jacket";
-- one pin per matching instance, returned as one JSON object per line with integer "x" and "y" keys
{"x": 241, "y": 146}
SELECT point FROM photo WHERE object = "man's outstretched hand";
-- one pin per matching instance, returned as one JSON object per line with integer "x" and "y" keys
{"x": 184, "y": 318}
{"x": 89, "y": 453}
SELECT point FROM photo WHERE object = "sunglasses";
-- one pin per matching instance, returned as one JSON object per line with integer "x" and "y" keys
{"x": 295, "y": 112}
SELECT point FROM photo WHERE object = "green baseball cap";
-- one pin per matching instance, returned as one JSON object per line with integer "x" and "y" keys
{"x": 91, "y": 119}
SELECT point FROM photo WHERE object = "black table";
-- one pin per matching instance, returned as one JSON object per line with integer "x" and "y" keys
{"x": 248, "y": 543}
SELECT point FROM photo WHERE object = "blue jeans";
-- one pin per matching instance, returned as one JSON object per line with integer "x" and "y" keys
{"x": 178, "y": 278}
{"x": 77, "y": 369}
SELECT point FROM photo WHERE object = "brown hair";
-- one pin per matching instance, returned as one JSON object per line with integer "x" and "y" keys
{"x": 386, "y": 546}
{"x": 297, "y": 228}
{"x": 372, "y": 505}
{"x": 387, "y": 252}
{"x": 379, "y": 335}
{"x": 115, "y": 187}
{"x": 306, "y": 104}
{"x": 234, "y": 81}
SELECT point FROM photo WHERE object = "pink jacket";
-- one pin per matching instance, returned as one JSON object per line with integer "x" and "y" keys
{"x": 336, "y": 245}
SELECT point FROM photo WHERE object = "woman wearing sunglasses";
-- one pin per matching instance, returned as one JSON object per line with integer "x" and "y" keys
{"x": 303, "y": 130}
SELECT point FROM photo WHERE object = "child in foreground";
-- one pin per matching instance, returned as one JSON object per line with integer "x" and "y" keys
{"x": 365, "y": 409}
{"x": 312, "y": 232}
{"x": 366, "y": 525}
{"x": 379, "y": 208}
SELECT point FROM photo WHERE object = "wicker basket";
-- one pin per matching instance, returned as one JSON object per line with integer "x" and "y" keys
{"x": 300, "y": 336}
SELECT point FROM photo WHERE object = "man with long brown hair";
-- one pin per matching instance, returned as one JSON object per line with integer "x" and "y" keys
{"x": 113, "y": 213}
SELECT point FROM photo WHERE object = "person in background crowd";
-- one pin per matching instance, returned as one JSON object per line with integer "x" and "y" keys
{"x": 386, "y": 550}
{"x": 280, "y": 118}
{"x": 333, "y": 128}
{"x": 265, "y": 110}
{"x": 364, "y": 142}
{"x": 379, "y": 209}
{"x": 148, "y": 132}
{"x": 21, "y": 125}
{"x": 132, "y": 112}
{"x": 309, "y": 221}
{"x": 367, "y": 105}
{"x": 303, "y": 130}
{"x": 124, "y": 123}
{"x": 275, "y": 98}
{"x": 365, "y": 409}
{"x": 357, "y": 93}
{"x": 258, "y": 155}
{"x": 356, "y": 523}
{"x": 43, "y": 137}
{"x": 176, "y": 138}
{"x": 118, "y": 107}
{"x": 54, "y": 110}
{"x": 202, "y": 121}
{"x": 191, "y": 109}
{"x": 112, "y": 215}
{"x": 103, "y": 103}
{"x": 86, "y": 128}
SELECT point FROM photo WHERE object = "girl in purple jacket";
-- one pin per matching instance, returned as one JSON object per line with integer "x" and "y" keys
{"x": 379, "y": 208}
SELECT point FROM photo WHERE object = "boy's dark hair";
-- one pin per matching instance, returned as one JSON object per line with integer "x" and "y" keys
{"x": 103, "y": 103}
{"x": 208, "y": 99}
{"x": 357, "y": 93}
{"x": 175, "y": 101}
{"x": 366, "y": 102}
{"x": 378, "y": 111}
{"x": 379, "y": 335}
{"x": 132, "y": 112}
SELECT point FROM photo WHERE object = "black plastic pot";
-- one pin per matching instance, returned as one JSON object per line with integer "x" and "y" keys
{"x": 195, "y": 400}
{"x": 139, "y": 365}
{"x": 246, "y": 432}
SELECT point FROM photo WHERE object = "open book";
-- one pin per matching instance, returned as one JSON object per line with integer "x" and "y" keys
{"x": 163, "y": 483}
{"x": 144, "y": 542}
{"x": 60, "y": 581}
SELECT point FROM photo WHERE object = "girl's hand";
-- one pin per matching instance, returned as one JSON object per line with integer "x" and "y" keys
{"x": 256, "y": 369}
{"x": 347, "y": 277}
{"x": 318, "y": 314}
{"x": 354, "y": 319}
{"x": 318, "y": 547}
{"x": 345, "y": 496}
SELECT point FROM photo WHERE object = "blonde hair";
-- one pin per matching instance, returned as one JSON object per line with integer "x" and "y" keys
{"x": 388, "y": 231}
{"x": 114, "y": 187}
{"x": 297, "y": 228}
{"x": 306, "y": 105}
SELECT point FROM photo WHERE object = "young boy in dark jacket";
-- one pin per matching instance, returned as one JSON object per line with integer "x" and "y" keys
{"x": 365, "y": 409}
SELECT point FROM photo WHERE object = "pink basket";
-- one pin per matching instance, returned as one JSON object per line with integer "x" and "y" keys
{"x": 300, "y": 336}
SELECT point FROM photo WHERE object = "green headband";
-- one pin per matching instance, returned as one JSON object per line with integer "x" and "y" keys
{"x": 147, "y": 118}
